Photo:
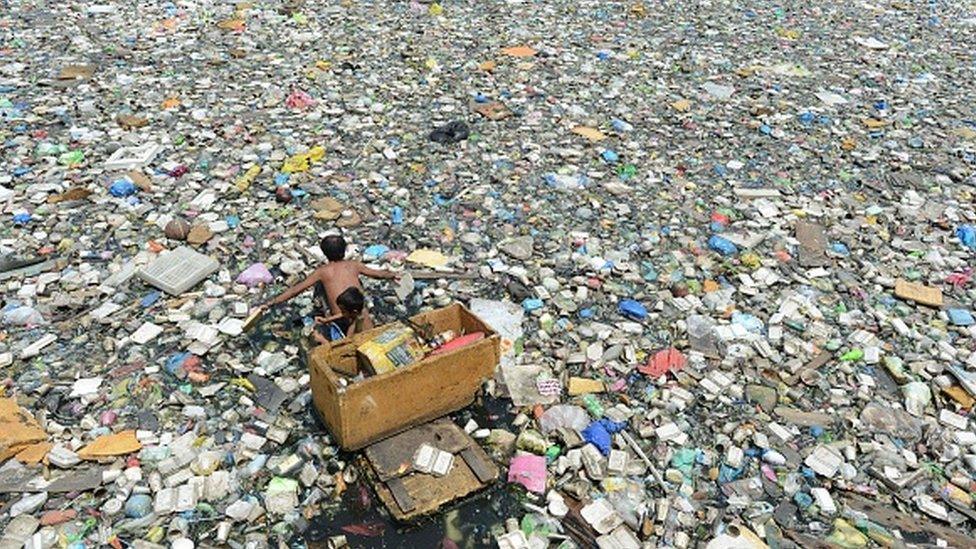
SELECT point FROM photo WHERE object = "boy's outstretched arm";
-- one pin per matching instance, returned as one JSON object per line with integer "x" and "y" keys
{"x": 377, "y": 273}
{"x": 293, "y": 291}
{"x": 328, "y": 319}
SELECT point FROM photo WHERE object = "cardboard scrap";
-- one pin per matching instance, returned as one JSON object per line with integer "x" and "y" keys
{"x": 77, "y": 480}
{"x": 140, "y": 179}
{"x": 429, "y": 258}
{"x": 199, "y": 234}
{"x": 76, "y": 72}
{"x": 960, "y": 395}
{"x": 327, "y": 208}
{"x": 74, "y": 193}
{"x": 519, "y": 51}
{"x": 18, "y": 429}
{"x": 236, "y": 25}
{"x": 493, "y": 111}
{"x": 681, "y": 105}
{"x": 965, "y": 133}
{"x": 592, "y": 134}
{"x": 130, "y": 122}
{"x": 116, "y": 444}
{"x": 919, "y": 293}
{"x": 488, "y": 66}
{"x": 813, "y": 244}
{"x": 582, "y": 386}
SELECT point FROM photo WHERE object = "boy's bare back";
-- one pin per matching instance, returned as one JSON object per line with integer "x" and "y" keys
{"x": 337, "y": 277}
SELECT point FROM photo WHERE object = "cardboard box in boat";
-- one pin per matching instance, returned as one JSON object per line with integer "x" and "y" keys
{"x": 363, "y": 412}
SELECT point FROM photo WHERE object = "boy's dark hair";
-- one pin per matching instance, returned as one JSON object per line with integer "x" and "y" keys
{"x": 351, "y": 300}
{"x": 334, "y": 247}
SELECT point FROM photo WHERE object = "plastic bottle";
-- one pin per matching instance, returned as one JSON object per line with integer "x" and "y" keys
{"x": 701, "y": 333}
{"x": 917, "y": 397}
{"x": 593, "y": 406}
{"x": 532, "y": 441}
{"x": 255, "y": 465}
{"x": 138, "y": 506}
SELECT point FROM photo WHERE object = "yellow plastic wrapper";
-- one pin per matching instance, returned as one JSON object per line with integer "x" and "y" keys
{"x": 301, "y": 162}
{"x": 244, "y": 182}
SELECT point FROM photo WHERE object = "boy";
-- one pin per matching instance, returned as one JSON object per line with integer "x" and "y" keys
{"x": 335, "y": 277}
{"x": 351, "y": 304}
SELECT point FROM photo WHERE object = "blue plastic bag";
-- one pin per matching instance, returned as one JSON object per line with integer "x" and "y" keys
{"x": 632, "y": 309}
{"x": 967, "y": 235}
{"x": 122, "y": 188}
{"x": 722, "y": 245}
{"x": 598, "y": 434}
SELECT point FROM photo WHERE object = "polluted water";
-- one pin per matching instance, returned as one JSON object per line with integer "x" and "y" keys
{"x": 703, "y": 273}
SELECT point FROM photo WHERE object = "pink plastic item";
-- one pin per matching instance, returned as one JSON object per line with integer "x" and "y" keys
{"x": 530, "y": 471}
{"x": 255, "y": 275}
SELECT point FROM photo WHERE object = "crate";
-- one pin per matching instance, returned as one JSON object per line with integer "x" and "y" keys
{"x": 361, "y": 413}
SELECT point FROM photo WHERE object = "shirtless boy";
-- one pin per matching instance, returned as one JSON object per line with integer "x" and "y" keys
{"x": 336, "y": 276}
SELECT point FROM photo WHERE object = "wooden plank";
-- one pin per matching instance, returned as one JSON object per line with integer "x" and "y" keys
{"x": 917, "y": 526}
{"x": 401, "y": 495}
{"x": 392, "y": 457}
{"x": 429, "y": 493}
{"x": 485, "y": 471}
{"x": 434, "y": 275}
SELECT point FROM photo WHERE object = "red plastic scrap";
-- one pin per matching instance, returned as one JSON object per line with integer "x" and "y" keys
{"x": 662, "y": 362}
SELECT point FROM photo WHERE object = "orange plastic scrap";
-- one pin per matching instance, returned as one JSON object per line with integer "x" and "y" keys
{"x": 34, "y": 453}
{"x": 519, "y": 51}
{"x": 116, "y": 444}
{"x": 18, "y": 429}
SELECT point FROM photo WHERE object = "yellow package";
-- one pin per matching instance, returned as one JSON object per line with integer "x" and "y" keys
{"x": 390, "y": 350}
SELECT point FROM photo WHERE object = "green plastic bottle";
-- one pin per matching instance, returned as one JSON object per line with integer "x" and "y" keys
{"x": 593, "y": 406}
